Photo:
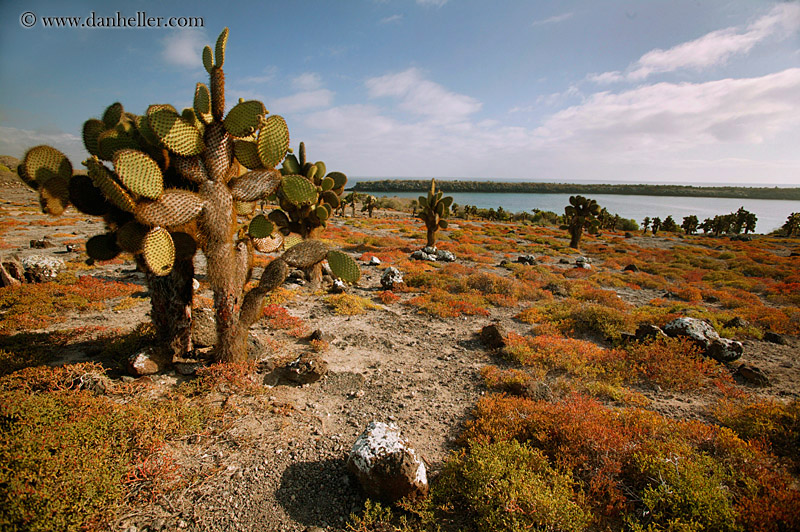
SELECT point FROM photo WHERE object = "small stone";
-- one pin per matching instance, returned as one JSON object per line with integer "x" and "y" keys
{"x": 445, "y": 256}
{"x": 736, "y": 322}
{"x": 195, "y": 285}
{"x": 493, "y": 336}
{"x": 430, "y": 250}
{"x": 307, "y": 368}
{"x": 752, "y": 375}
{"x": 391, "y": 277}
{"x": 374, "y": 261}
{"x": 647, "y": 331}
{"x": 42, "y": 243}
{"x": 530, "y": 260}
{"x": 145, "y": 362}
{"x": 563, "y": 261}
{"x": 40, "y": 268}
{"x": 775, "y": 338}
{"x": 338, "y": 287}
{"x": 628, "y": 234}
{"x": 631, "y": 268}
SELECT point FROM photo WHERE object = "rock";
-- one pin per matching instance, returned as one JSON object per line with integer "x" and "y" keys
{"x": 736, "y": 322}
{"x": 337, "y": 287}
{"x": 40, "y": 268}
{"x": 563, "y": 261}
{"x": 504, "y": 263}
{"x": 391, "y": 277}
{"x": 583, "y": 260}
{"x": 752, "y": 375}
{"x": 204, "y": 327}
{"x": 95, "y": 382}
{"x": 11, "y": 272}
{"x": 307, "y": 368}
{"x": 706, "y": 338}
{"x": 319, "y": 335}
{"x": 195, "y": 285}
{"x": 584, "y": 266}
{"x": 189, "y": 368}
{"x": 145, "y": 362}
{"x": 421, "y": 255}
{"x": 430, "y": 250}
{"x": 256, "y": 346}
{"x": 775, "y": 338}
{"x": 628, "y": 234}
{"x": 493, "y": 336}
{"x": 374, "y": 261}
{"x": 386, "y": 465}
{"x": 445, "y": 256}
{"x": 630, "y": 268}
{"x": 647, "y": 331}
{"x": 42, "y": 243}
{"x": 530, "y": 260}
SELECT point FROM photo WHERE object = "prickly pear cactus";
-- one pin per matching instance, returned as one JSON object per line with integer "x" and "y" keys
{"x": 168, "y": 183}
{"x": 434, "y": 211}
{"x": 581, "y": 213}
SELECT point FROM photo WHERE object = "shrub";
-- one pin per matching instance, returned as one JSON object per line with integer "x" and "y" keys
{"x": 769, "y": 420}
{"x": 510, "y": 486}
{"x": 349, "y": 304}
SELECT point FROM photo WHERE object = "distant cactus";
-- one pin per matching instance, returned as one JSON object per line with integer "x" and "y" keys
{"x": 434, "y": 211}
{"x": 179, "y": 184}
{"x": 368, "y": 204}
{"x": 792, "y": 225}
{"x": 581, "y": 214}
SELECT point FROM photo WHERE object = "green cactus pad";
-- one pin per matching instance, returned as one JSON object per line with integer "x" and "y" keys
{"x": 268, "y": 244}
{"x": 86, "y": 197}
{"x": 244, "y": 208}
{"x": 130, "y": 237}
{"x": 327, "y": 184}
{"x": 145, "y": 131}
{"x": 343, "y": 266}
{"x": 254, "y": 185}
{"x": 311, "y": 172}
{"x": 279, "y": 218}
{"x": 299, "y": 190}
{"x": 112, "y": 115}
{"x": 202, "y": 103}
{"x": 260, "y": 227}
{"x": 290, "y": 165}
{"x": 189, "y": 115}
{"x": 322, "y": 213}
{"x": 423, "y": 202}
{"x": 442, "y": 224}
{"x": 219, "y": 52}
{"x": 103, "y": 179}
{"x": 139, "y": 173}
{"x": 158, "y": 251}
{"x": 112, "y": 140}
{"x": 439, "y": 209}
{"x": 247, "y": 153}
{"x": 185, "y": 245}
{"x": 91, "y": 131}
{"x": 245, "y": 118}
{"x": 43, "y": 163}
{"x": 273, "y": 141}
{"x": 102, "y": 247}
{"x": 331, "y": 198}
{"x": 305, "y": 254}
{"x": 174, "y": 132}
{"x": 322, "y": 170}
{"x": 339, "y": 179}
{"x": 290, "y": 240}
{"x": 208, "y": 59}
{"x": 174, "y": 207}
{"x": 54, "y": 195}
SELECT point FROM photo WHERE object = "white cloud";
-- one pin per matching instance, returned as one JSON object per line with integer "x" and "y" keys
{"x": 16, "y": 142}
{"x": 712, "y": 49}
{"x": 302, "y": 101}
{"x": 393, "y": 18}
{"x": 431, "y": 3}
{"x": 553, "y": 20}
{"x": 307, "y": 81}
{"x": 184, "y": 48}
{"x": 420, "y": 96}
{"x": 268, "y": 74}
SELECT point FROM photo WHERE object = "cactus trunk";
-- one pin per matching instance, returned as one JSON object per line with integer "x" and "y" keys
{"x": 171, "y": 302}
{"x": 431, "y": 235}
{"x": 575, "y": 236}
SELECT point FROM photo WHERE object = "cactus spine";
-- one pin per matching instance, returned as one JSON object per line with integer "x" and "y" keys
{"x": 580, "y": 214}
{"x": 177, "y": 186}
{"x": 434, "y": 211}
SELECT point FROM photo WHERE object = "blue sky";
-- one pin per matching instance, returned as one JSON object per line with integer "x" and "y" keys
{"x": 605, "y": 90}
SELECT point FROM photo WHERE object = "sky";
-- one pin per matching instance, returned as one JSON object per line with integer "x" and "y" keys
{"x": 640, "y": 91}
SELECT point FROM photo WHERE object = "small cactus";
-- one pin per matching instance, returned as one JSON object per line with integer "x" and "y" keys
{"x": 581, "y": 214}
{"x": 434, "y": 211}
{"x": 178, "y": 184}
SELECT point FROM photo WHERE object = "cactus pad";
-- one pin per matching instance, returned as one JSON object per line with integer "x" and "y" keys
{"x": 299, "y": 190}
{"x": 245, "y": 118}
{"x": 219, "y": 52}
{"x": 112, "y": 115}
{"x": 327, "y": 184}
{"x": 244, "y": 208}
{"x": 54, "y": 195}
{"x": 343, "y": 266}
{"x": 273, "y": 141}
{"x": 190, "y": 168}
{"x": 175, "y": 133}
{"x": 268, "y": 244}
{"x": 291, "y": 240}
{"x": 91, "y": 131}
{"x": 260, "y": 227}
{"x": 290, "y": 165}
{"x": 111, "y": 141}
{"x": 202, "y": 103}
{"x": 321, "y": 212}
{"x": 247, "y": 154}
{"x": 103, "y": 179}
{"x": 255, "y": 185}
{"x": 174, "y": 207}
{"x": 305, "y": 254}
{"x": 102, "y": 247}
{"x": 158, "y": 251}
{"x": 43, "y": 163}
{"x": 208, "y": 59}
{"x": 139, "y": 173}
{"x": 131, "y": 236}
{"x": 86, "y": 197}
{"x": 339, "y": 179}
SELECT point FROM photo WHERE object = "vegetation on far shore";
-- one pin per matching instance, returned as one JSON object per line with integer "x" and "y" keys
{"x": 421, "y": 185}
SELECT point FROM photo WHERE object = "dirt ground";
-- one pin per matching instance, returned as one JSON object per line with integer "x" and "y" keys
{"x": 279, "y": 463}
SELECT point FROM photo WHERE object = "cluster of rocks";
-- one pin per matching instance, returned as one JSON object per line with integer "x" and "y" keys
{"x": 430, "y": 253}
{"x": 528, "y": 260}
{"x": 703, "y": 335}
{"x": 31, "y": 269}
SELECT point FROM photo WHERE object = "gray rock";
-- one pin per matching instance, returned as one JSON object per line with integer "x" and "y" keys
{"x": 736, "y": 322}
{"x": 706, "y": 338}
{"x": 563, "y": 261}
{"x": 530, "y": 260}
{"x": 630, "y": 268}
{"x": 582, "y": 260}
{"x": 430, "y": 250}
{"x": 445, "y": 256}
{"x": 338, "y": 287}
{"x": 775, "y": 338}
{"x": 41, "y": 268}
{"x": 307, "y": 368}
{"x": 374, "y": 261}
{"x": 42, "y": 243}
{"x": 421, "y": 255}
{"x": 204, "y": 327}
{"x": 647, "y": 331}
{"x": 752, "y": 375}
{"x": 391, "y": 277}
{"x": 386, "y": 465}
